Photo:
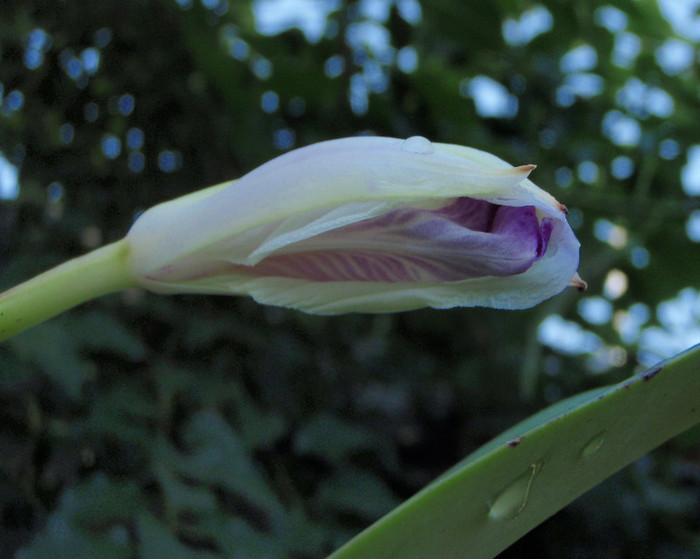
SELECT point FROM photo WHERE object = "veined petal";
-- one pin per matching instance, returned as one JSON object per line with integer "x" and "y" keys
{"x": 548, "y": 276}
{"x": 326, "y": 175}
{"x": 467, "y": 239}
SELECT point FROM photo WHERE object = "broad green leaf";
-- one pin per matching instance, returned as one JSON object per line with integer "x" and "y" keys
{"x": 219, "y": 457}
{"x": 179, "y": 498}
{"x": 56, "y": 353}
{"x": 531, "y": 471}
{"x": 114, "y": 335}
{"x": 355, "y": 491}
{"x": 124, "y": 412}
{"x": 91, "y": 520}
{"x": 157, "y": 541}
{"x": 331, "y": 438}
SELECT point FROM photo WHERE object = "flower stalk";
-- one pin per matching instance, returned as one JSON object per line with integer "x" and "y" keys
{"x": 97, "y": 273}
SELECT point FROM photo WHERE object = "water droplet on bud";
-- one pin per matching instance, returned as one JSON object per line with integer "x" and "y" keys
{"x": 417, "y": 144}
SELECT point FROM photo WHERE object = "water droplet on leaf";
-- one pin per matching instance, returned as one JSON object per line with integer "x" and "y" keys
{"x": 593, "y": 446}
{"x": 417, "y": 144}
{"x": 512, "y": 499}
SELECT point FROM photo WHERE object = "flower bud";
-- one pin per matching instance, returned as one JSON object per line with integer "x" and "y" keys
{"x": 364, "y": 224}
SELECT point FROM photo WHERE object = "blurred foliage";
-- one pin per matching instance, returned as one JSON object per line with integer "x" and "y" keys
{"x": 204, "y": 427}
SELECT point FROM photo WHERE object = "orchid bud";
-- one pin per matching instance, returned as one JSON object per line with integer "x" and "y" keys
{"x": 364, "y": 224}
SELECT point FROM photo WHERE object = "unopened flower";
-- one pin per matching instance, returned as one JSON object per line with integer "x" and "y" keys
{"x": 364, "y": 224}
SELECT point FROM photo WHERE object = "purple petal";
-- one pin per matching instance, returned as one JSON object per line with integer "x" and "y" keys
{"x": 546, "y": 228}
{"x": 466, "y": 239}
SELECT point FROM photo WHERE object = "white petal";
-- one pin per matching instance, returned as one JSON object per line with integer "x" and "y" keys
{"x": 325, "y": 175}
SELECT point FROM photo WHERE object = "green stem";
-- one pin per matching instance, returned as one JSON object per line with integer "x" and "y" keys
{"x": 94, "y": 274}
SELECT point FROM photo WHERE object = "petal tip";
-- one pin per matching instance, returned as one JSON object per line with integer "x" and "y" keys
{"x": 578, "y": 283}
{"x": 525, "y": 169}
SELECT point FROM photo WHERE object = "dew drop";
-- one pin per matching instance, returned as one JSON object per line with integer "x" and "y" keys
{"x": 512, "y": 499}
{"x": 417, "y": 144}
{"x": 593, "y": 446}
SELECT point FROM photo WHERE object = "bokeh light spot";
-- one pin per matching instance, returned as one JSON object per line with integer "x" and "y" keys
{"x": 410, "y": 11}
{"x": 135, "y": 138}
{"x": 169, "y": 161}
{"x": 639, "y": 256}
{"x": 533, "y": 22}
{"x": 669, "y": 149}
{"x": 492, "y": 99}
{"x": 588, "y": 172}
{"x": 595, "y": 310}
{"x": 612, "y": 18}
{"x": 261, "y": 67}
{"x": 283, "y": 139}
{"x": 111, "y": 146}
{"x": 692, "y": 226}
{"x": 66, "y": 133}
{"x": 622, "y": 167}
{"x": 615, "y": 284}
{"x": 9, "y": 179}
{"x": 407, "y": 59}
{"x": 269, "y": 101}
{"x": 136, "y": 161}
{"x": 334, "y": 66}
{"x": 566, "y": 336}
{"x": 579, "y": 59}
{"x": 126, "y": 104}
{"x": 91, "y": 111}
{"x": 608, "y": 232}
{"x": 622, "y": 130}
{"x": 690, "y": 174}
{"x": 90, "y": 59}
{"x": 626, "y": 49}
{"x": 564, "y": 177}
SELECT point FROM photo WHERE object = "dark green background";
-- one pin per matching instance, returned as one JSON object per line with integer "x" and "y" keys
{"x": 206, "y": 427}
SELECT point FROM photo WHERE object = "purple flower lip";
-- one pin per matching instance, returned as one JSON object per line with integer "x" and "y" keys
{"x": 466, "y": 239}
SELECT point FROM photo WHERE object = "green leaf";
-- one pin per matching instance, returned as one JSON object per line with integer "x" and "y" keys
{"x": 158, "y": 541}
{"x": 219, "y": 457}
{"x": 113, "y": 335}
{"x": 56, "y": 353}
{"x": 124, "y": 412}
{"x": 179, "y": 497}
{"x": 332, "y": 438}
{"x": 531, "y": 471}
{"x": 91, "y": 520}
{"x": 357, "y": 492}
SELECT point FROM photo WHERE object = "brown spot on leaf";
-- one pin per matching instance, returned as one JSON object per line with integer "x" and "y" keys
{"x": 651, "y": 373}
{"x": 516, "y": 441}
